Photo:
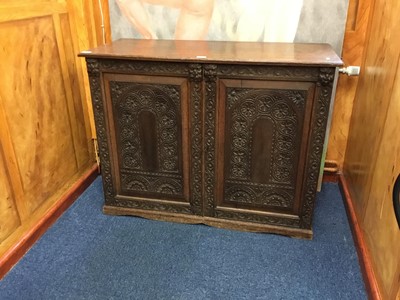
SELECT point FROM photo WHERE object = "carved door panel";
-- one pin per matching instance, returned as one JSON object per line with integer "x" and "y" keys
{"x": 147, "y": 118}
{"x": 262, "y": 133}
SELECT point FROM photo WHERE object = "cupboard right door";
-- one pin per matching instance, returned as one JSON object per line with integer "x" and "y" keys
{"x": 261, "y": 149}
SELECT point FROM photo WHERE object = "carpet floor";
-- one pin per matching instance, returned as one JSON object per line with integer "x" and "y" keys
{"x": 88, "y": 255}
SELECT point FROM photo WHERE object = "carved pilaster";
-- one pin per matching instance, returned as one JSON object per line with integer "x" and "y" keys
{"x": 210, "y": 76}
{"x": 195, "y": 76}
{"x": 93, "y": 67}
{"x": 195, "y": 72}
{"x": 99, "y": 116}
{"x": 318, "y": 126}
{"x": 326, "y": 76}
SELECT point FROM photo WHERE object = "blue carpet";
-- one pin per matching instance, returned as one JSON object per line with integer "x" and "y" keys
{"x": 88, "y": 255}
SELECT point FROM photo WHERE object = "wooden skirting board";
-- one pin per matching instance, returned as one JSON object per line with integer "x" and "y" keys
{"x": 16, "y": 253}
{"x": 364, "y": 257}
{"x": 12, "y": 256}
{"x": 362, "y": 250}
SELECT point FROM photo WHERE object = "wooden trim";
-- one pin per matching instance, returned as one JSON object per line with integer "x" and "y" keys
{"x": 364, "y": 257}
{"x": 15, "y": 253}
{"x": 11, "y": 165}
{"x": 14, "y": 12}
{"x": 330, "y": 176}
{"x": 215, "y": 222}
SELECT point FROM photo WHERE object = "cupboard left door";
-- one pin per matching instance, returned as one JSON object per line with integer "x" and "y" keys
{"x": 148, "y": 142}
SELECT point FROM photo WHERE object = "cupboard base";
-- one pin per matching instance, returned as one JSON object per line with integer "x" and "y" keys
{"x": 214, "y": 222}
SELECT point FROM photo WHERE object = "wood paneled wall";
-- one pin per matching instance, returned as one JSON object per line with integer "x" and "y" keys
{"x": 353, "y": 49}
{"x": 45, "y": 127}
{"x": 372, "y": 160}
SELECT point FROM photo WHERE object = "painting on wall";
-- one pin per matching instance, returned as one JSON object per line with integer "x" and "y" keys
{"x": 231, "y": 20}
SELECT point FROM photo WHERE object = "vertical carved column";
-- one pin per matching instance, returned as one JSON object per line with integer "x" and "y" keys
{"x": 318, "y": 126}
{"x": 196, "y": 133}
{"x": 210, "y": 77}
{"x": 93, "y": 67}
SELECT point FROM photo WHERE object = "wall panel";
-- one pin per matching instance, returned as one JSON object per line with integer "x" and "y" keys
{"x": 35, "y": 105}
{"x": 77, "y": 106}
{"x": 9, "y": 218}
{"x": 380, "y": 226}
{"x": 353, "y": 50}
{"x": 45, "y": 132}
{"x": 372, "y": 160}
{"x": 372, "y": 99}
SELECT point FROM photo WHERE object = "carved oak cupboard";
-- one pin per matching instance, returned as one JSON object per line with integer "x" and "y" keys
{"x": 228, "y": 134}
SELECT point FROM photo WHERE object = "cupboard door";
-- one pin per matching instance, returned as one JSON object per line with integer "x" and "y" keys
{"x": 147, "y": 120}
{"x": 262, "y": 134}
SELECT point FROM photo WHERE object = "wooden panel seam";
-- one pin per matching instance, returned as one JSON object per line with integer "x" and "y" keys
{"x": 82, "y": 73}
{"x": 11, "y": 165}
{"x": 66, "y": 82}
{"x": 15, "y": 12}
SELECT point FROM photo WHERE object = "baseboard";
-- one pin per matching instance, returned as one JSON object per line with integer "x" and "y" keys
{"x": 11, "y": 257}
{"x": 15, "y": 253}
{"x": 330, "y": 177}
{"x": 362, "y": 250}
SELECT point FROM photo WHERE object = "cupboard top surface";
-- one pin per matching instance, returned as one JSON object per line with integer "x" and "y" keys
{"x": 218, "y": 51}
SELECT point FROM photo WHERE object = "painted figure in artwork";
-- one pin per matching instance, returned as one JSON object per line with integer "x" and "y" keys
{"x": 193, "y": 20}
{"x": 239, "y": 20}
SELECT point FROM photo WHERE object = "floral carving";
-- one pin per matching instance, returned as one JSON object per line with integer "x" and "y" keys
{"x": 284, "y": 108}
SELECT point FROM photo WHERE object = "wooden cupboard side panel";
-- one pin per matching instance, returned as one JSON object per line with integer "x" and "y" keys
{"x": 35, "y": 104}
{"x": 372, "y": 100}
{"x": 9, "y": 218}
{"x": 380, "y": 225}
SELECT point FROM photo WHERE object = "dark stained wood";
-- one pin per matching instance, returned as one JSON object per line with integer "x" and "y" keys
{"x": 216, "y": 51}
{"x": 261, "y": 163}
{"x": 220, "y": 223}
{"x": 262, "y": 135}
{"x": 330, "y": 177}
{"x": 14, "y": 254}
{"x": 145, "y": 115}
{"x": 234, "y": 143}
{"x": 148, "y": 137}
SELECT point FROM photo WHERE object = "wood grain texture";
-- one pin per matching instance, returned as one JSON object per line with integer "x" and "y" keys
{"x": 220, "y": 223}
{"x": 19, "y": 10}
{"x": 11, "y": 165}
{"x": 372, "y": 158}
{"x": 35, "y": 104}
{"x": 292, "y": 98}
{"x": 384, "y": 239}
{"x": 364, "y": 256}
{"x": 9, "y": 218}
{"x": 78, "y": 114}
{"x": 216, "y": 51}
{"x": 353, "y": 49}
{"x": 372, "y": 100}
{"x": 85, "y": 19}
{"x": 101, "y": 15}
{"x": 45, "y": 136}
{"x": 11, "y": 257}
